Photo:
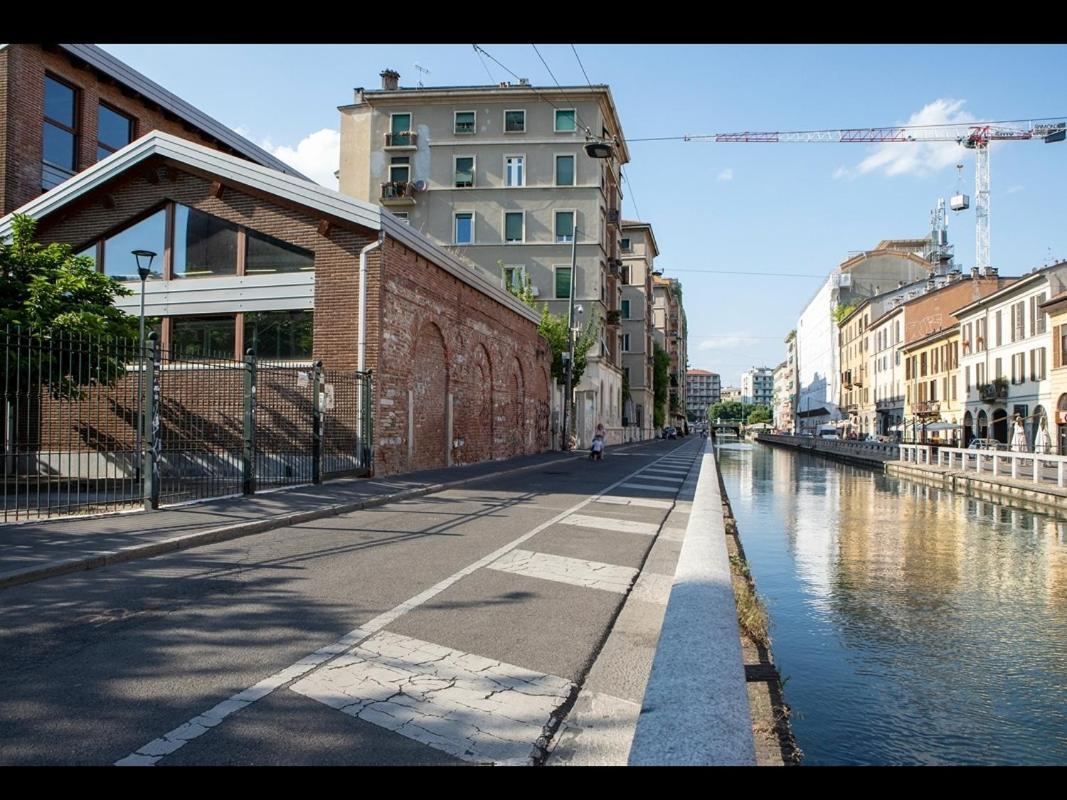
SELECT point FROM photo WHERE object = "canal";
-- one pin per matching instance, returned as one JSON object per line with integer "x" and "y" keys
{"x": 910, "y": 625}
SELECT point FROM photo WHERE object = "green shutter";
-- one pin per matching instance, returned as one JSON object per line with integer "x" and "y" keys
{"x": 563, "y": 282}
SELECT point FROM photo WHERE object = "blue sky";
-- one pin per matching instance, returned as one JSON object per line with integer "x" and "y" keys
{"x": 797, "y": 209}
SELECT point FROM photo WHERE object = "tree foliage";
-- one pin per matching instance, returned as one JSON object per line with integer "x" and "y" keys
{"x": 841, "y": 311}
{"x": 759, "y": 414}
{"x": 661, "y": 368}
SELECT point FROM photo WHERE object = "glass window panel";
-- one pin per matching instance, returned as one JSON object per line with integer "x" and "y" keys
{"x": 565, "y": 119}
{"x": 465, "y": 122}
{"x": 58, "y": 102}
{"x": 465, "y": 171}
{"x": 464, "y": 228}
{"x": 563, "y": 282}
{"x": 266, "y": 254}
{"x": 565, "y": 171}
{"x": 401, "y": 123}
{"x": 513, "y": 172}
{"x": 203, "y": 337}
{"x": 58, "y": 147}
{"x": 514, "y": 121}
{"x": 564, "y": 226}
{"x": 284, "y": 335}
{"x": 148, "y": 234}
{"x": 115, "y": 129}
{"x": 204, "y": 245}
{"x": 625, "y": 309}
{"x": 513, "y": 227}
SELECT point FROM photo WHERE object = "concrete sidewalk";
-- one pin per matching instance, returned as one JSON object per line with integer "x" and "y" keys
{"x": 33, "y": 551}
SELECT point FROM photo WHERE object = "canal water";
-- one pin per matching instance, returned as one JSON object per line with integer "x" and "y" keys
{"x": 911, "y": 625}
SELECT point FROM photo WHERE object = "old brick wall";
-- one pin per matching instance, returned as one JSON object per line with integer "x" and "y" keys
{"x": 496, "y": 368}
{"x": 24, "y": 67}
{"x": 932, "y": 312}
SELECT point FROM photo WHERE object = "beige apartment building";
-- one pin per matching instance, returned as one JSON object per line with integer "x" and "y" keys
{"x": 500, "y": 175}
{"x": 932, "y": 391}
{"x": 1056, "y": 308}
{"x": 639, "y": 250}
{"x": 670, "y": 331}
{"x": 857, "y": 410}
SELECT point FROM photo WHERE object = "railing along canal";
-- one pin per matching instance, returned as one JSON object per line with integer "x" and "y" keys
{"x": 1035, "y": 467}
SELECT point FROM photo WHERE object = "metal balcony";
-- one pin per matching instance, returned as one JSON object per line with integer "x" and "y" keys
{"x": 398, "y": 193}
{"x": 401, "y": 140}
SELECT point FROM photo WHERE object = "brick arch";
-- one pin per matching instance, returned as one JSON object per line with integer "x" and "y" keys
{"x": 429, "y": 384}
{"x": 473, "y": 408}
{"x": 538, "y": 410}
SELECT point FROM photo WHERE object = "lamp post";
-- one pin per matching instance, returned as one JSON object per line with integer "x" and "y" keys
{"x": 144, "y": 269}
{"x": 566, "y": 445}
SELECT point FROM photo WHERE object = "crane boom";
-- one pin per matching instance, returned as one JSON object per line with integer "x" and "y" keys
{"x": 974, "y": 135}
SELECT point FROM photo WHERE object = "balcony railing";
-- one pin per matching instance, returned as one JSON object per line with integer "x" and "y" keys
{"x": 991, "y": 392}
{"x": 402, "y": 140}
{"x": 398, "y": 193}
{"x": 613, "y": 216}
{"x": 927, "y": 407}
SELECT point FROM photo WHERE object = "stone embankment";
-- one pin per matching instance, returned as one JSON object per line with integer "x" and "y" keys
{"x": 864, "y": 453}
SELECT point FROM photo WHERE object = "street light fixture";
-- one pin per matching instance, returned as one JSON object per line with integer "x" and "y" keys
{"x": 144, "y": 260}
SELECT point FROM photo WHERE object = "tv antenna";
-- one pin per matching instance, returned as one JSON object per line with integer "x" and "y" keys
{"x": 422, "y": 71}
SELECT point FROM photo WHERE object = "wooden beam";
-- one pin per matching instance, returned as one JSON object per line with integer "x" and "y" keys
{"x": 108, "y": 201}
{"x": 216, "y": 189}
{"x": 324, "y": 227}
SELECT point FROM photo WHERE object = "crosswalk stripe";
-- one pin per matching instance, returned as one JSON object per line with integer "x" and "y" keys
{"x": 575, "y": 571}
{"x": 648, "y": 487}
{"x": 611, "y": 524}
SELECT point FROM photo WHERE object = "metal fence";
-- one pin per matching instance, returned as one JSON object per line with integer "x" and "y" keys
{"x": 89, "y": 425}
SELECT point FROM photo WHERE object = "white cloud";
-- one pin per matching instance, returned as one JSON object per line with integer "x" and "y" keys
{"x": 317, "y": 155}
{"x": 915, "y": 158}
{"x": 728, "y": 342}
{"x": 726, "y": 175}
{"x": 1014, "y": 189}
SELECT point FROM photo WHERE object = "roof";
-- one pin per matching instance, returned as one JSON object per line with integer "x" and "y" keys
{"x": 633, "y": 223}
{"x": 698, "y": 372}
{"x": 1014, "y": 284}
{"x": 1055, "y": 300}
{"x": 242, "y": 173}
{"x": 150, "y": 90}
{"x": 931, "y": 337}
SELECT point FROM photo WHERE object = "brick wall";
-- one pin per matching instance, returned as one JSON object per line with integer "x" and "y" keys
{"x": 22, "y": 71}
{"x": 933, "y": 311}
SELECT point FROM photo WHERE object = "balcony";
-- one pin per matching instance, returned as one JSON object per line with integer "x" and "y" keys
{"x": 613, "y": 216}
{"x": 401, "y": 140}
{"x": 613, "y": 317}
{"x": 398, "y": 193}
{"x": 993, "y": 392}
{"x": 927, "y": 408}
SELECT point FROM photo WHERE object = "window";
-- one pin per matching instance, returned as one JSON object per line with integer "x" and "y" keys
{"x": 625, "y": 309}
{"x": 400, "y": 169}
{"x": 979, "y": 335}
{"x": 464, "y": 227}
{"x": 514, "y": 226}
{"x": 563, "y": 283}
{"x": 402, "y": 216}
{"x": 60, "y": 129}
{"x": 966, "y": 379}
{"x": 998, "y": 368}
{"x": 625, "y": 244}
{"x": 997, "y": 322}
{"x": 203, "y": 337}
{"x": 1018, "y": 317}
{"x": 285, "y": 335}
{"x": 265, "y": 254}
{"x": 625, "y": 274}
{"x": 564, "y": 226}
{"x": 399, "y": 130}
{"x": 1018, "y": 368}
{"x": 1037, "y": 316}
{"x": 514, "y": 170}
{"x": 464, "y": 122}
{"x": 114, "y": 130}
{"x": 979, "y": 374}
{"x": 565, "y": 120}
{"x": 565, "y": 170}
{"x": 204, "y": 245}
{"x": 626, "y": 343}
{"x": 1037, "y": 364}
{"x": 1059, "y": 337}
{"x": 514, "y": 122}
{"x": 148, "y": 234}
{"x": 464, "y": 172}
{"x": 515, "y": 277}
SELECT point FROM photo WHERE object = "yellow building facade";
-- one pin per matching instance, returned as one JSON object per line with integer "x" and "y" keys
{"x": 932, "y": 396}
{"x": 1056, "y": 308}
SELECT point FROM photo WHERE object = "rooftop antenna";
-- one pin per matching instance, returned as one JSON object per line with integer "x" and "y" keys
{"x": 422, "y": 71}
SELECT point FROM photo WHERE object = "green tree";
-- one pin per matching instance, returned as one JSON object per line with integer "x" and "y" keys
{"x": 554, "y": 328}
{"x": 841, "y": 311}
{"x": 661, "y": 368}
{"x": 759, "y": 414}
{"x": 52, "y": 295}
{"x": 726, "y": 409}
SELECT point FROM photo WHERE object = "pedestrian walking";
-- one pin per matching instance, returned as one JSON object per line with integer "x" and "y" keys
{"x": 1018, "y": 437}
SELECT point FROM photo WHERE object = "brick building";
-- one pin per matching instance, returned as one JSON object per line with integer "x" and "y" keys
{"x": 252, "y": 256}
{"x": 64, "y": 107}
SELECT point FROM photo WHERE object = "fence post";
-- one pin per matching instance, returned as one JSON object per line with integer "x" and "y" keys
{"x": 317, "y": 409}
{"x": 150, "y": 423}
{"x": 367, "y": 420}
{"x": 248, "y": 449}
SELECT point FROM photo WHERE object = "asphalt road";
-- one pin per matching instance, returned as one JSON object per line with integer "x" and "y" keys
{"x": 447, "y": 629}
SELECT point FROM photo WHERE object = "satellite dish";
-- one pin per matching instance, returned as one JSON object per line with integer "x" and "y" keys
{"x": 420, "y": 186}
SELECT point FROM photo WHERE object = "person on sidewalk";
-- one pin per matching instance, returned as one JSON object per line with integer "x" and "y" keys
{"x": 1018, "y": 437}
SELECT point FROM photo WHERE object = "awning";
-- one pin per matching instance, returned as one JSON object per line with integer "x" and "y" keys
{"x": 941, "y": 426}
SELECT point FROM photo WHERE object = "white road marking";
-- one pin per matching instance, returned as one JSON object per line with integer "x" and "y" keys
{"x": 644, "y": 502}
{"x": 472, "y": 707}
{"x": 149, "y": 754}
{"x": 664, "y": 478}
{"x": 649, "y": 487}
{"x": 575, "y": 571}
{"x": 666, "y": 471}
{"x": 610, "y": 524}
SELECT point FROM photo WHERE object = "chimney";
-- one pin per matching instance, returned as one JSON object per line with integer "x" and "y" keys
{"x": 358, "y": 95}
{"x": 974, "y": 272}
{"x": 991, "y": 272}
{"x": 390, "y": 79}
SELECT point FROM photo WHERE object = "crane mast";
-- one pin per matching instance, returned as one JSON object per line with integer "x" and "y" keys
{"x": 974, "y": 136}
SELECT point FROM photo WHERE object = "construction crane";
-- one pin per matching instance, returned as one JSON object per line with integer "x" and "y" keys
{"x": 974, "y": 136}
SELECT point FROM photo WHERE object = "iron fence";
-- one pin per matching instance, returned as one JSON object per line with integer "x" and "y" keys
{"x": 92, "y": 424}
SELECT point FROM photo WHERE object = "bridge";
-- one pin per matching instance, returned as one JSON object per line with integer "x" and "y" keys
{"x": 724, "y": 425}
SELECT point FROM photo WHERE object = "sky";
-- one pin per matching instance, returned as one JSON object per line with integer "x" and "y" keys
{"x": 722, "y": 213}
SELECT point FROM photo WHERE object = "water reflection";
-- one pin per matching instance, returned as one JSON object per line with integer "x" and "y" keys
{"x": 915, "y": 625}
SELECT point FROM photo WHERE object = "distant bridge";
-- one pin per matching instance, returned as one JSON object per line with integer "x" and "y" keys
{"x": 724, "y": 425}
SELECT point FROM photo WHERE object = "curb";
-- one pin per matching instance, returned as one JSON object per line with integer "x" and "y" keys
{"x": 240, "y": 529}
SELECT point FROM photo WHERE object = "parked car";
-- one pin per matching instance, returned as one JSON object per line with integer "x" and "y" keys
{"x": 986, "y": 444}
{"x": 670, "y": 432}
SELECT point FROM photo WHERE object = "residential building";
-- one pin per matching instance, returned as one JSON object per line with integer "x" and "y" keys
{"x": 1006, "y": 349}
{"x": 500, "y": 174}
{"x": 932, "y": 394}
{"x": 731, "y": 394}
{"x": 703, "y": 389}
{"x": 857, "y": 413}
{"x": 639, "y": 250}
{"x": 757, "y": 387}
{"x": 251, "y": 257}
{"x": 785, "y": 387}
{"x": 66, "y": 106}
{"x": 1056, "y": 422}
{"x": 670, "y": 325}
{"x": 885, "y": 371}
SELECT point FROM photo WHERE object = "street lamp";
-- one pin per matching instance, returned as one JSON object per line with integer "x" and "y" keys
{"x": 144, "y": 269}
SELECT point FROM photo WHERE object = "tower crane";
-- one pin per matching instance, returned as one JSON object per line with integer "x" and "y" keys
{"x": 972, "y": 135}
